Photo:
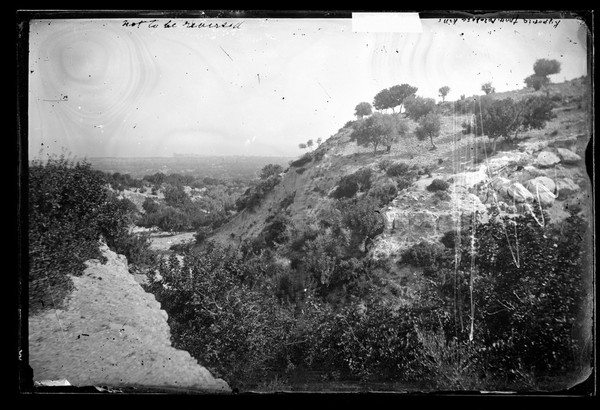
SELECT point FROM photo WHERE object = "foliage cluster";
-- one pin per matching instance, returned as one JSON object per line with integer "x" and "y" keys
{"x": 70, "y": 210}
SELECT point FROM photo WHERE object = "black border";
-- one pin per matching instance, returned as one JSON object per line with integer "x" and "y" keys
{"x": 25, "y": 384}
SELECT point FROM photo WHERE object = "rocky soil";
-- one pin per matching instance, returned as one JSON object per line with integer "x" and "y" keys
{"x": 112, "y": 333}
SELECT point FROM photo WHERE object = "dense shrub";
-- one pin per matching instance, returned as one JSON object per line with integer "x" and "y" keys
{"x": 270, "y": 170}
{"x": 526, "y": 296}
{"x": 397, "y": 169}
{"x": 359, "y": 181}
{"x": 167, "y": 218}
{"x": 69, "y": 210}
{"x": 176, "y": 196}
{"x": 150, "y": 206}
{"x": 120, "y": 181}
{"x": 276, "y": 230}
{"x": 441, "y": 196}
{"x": 536, "y": 81}
{"x": 303, "y": 160}
{"x": 384, "y": 192}
{"x": 362, "y": 217}
{"x": 217, "y": 313}
{"x": 136, "y": 248}
{"x": 254, "y": 195}
{"x": 438, "y": 185}
{"x": 424, "y": 254}
{"x": 528, "y": 299}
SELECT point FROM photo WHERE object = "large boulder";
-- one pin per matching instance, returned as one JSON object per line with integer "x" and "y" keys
{"x": 567, "y": 156}
{"x": 566, "y": 187}
{"x": 501, "y": 185}
{"x": 547, "y": 159}
{"x": 542, "y": 183}
{"x": 519, "y": 193}
{"x": 543, "y": 189}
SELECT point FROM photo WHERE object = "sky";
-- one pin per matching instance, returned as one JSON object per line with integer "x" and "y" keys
{"x": 98, "y": 88}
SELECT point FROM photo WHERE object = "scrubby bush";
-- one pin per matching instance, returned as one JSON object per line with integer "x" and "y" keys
{"x": 150, "y": 206}
{"x": 424, "y": 254}
{"x": 349, "y": 185}
{"x": 137, "y": 249}
{"x": 384, "y": 192}
{"x": 362, "y": 217}
{"x": 536, "y": 81}
{"x": 270, "y": 170}
{"x": 167, "y": 218}
{"x": 438, "y": 185}
{"x": 221, "y": 316}
{"x": 254, "y": 195}
{"x": 441, "y": 196}
{"x": 397, "y": 169}
{"x": 303, "y": 160}
{"x": 69, "y": 211}
{"x": 176, "y": 196}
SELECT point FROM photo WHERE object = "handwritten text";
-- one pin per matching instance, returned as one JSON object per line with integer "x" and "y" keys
{"x": 492, "y": 20}
{"x": 179, "y": 24}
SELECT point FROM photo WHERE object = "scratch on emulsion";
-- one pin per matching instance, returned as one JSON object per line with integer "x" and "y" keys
{"x": 226, "y": 53}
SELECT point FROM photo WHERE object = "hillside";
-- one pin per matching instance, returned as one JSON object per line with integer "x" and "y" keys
{"x": 415, "y": 214}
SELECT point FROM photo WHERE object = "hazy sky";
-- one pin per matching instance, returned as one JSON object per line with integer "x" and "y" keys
{"x": 97, "y": 88}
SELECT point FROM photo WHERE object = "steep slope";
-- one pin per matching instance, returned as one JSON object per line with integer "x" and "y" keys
{"x": 416, "y": 214}
{"x": 112, "y": 333}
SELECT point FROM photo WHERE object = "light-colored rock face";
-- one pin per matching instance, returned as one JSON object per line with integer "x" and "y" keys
{"x": 542, "y": 189}
{"x": 541, "y": 182}
{"x": 404, "y": 226}
{"x": 566, "y": 187}
{"x": 112, "y": 333}
{"x": 568, "y": 157}
{"x": 547, "y": 159}
{"x": 519, "y": 193}
{"x": 501, "y": 185}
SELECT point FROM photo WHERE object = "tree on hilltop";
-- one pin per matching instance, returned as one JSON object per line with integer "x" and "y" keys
{"x": 379, "y": 129}
{"x": 417, "y": 107}
{"x": 506, "y": 118}
{"x": 542, "y": 68}
{"x": 382, "y": 100}
{"x": 487, "y": 88}
{"x": 399, "y": 93}
{"x": 444, "y": 92}
{"x": 546, "y": 67}
{"x": 362, "y": 109}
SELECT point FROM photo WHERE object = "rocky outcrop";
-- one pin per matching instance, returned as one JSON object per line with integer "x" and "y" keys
{"x": 566, "y": 187}
{"x": 519, "y": 193}
{"x": 547, "y": 159}
{"x": 543, "y": 189}
{"x": 568, "y": 157}
{"x": 112, "y": 333}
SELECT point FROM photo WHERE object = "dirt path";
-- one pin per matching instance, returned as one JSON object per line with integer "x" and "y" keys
{"x": 163, "y": 241}
{"x": 112, "y": 333}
